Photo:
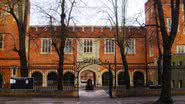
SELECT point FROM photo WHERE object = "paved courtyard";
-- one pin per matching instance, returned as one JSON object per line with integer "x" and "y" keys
{"x": 87, "y": 97}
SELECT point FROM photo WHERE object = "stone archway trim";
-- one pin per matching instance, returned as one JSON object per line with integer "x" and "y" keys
{"x": 141, "y": 71}
{"x": 89, "y": 69}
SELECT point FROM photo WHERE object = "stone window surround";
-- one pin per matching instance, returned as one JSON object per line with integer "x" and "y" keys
{"x": 41, "y": 50}
{"x": 105, "y": 43}
{"x": 69, "y": 39}
{"x": 88, "y": 47}
{"x": 134, "y": 46}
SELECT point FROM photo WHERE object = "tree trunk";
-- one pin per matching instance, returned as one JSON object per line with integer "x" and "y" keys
{"x": 158, "y": 45}
{"x": 22, "y": 51}
{"x": 165, "y": 97}
{"x": 159, "y": 69}
{"x": 125, "y": 65}
{"x": 62, "y": 45}
{"x": 60, "y": 74}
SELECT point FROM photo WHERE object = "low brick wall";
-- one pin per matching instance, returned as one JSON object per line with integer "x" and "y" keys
{"x": 137, "y": 92}
{"x": 38, "y": 93}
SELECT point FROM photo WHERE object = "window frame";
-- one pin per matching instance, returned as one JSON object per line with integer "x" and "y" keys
{"x": 88, "y": 46}
{"x": 65, "y": 52}
{"x": 169, "y": 25}
{"x": 134, "y": 46}
{"x": 151, "y": 48}
{"x": 179, "y": 48}
{"x": 41, "y": 48}
{"x": 112, "y": 48}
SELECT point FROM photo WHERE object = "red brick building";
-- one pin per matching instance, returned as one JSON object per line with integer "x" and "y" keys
{"x": 92, "y": 45}
{"x": 178, "y": 48}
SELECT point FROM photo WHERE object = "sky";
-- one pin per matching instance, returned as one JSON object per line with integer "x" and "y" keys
{"x": 87, "y": 12}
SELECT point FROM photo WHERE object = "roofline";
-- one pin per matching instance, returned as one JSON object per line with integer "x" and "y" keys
{"x": 81, "y": 26}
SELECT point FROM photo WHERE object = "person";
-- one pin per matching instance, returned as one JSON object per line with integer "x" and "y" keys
{"x": 89, "y": 85}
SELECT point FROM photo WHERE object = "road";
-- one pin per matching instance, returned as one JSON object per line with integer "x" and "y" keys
{"x": 87, "y": 97}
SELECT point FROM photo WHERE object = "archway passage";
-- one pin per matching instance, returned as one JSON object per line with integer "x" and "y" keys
{"x": 52, "y": 79}
{"x": 37, "y": 76}
{"x": 85, "y": 76}
{"x": 121, "y": 80}
{"x": 138, "y": 79}
{"x": 69, "y": 79}
{"x": 106, "y": 78}
{"x": 1, "y": 80}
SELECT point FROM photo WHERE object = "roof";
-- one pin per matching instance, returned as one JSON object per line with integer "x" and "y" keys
{"x": 86, "y": 31}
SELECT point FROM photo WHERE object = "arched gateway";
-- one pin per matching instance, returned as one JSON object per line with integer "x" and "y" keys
{"x": 89, "y": 72}
{"x": 138, "y": 79}
{"x": 69, "y": 79}
{"x": 52, "y": 79}
{"x": 37, "y": 76}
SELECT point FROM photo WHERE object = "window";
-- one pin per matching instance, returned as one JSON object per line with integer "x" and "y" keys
{"x": 88, "y": 45}
{"x": 130, "y": 46}
{"x": 1, "y": 41}
{"x": 183, "y": 7}
{"x": 180, "y": 84}
{"x": 173, "y": 84}
{"x": 169, "y": 23}
{"x": 180, "y": 49}
{"x": 109, "y": 45}
{"x": 13, "y": 71}
{"x": 6, "y": 8}
{"x": 46, "y": 45}
{"x": 151, "y": 52}
{"x": 68, "y": 46}
{"x": 182, "y": 18}
{"x": 184, "y": 30}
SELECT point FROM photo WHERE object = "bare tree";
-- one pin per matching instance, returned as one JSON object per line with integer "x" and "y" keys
{"x": 19, "y": 10}
{"x": 168, "y": 40}
{"x": 120, "y": 37}
{"x": 59, "y": 35}
{"x": 158, "y": 45}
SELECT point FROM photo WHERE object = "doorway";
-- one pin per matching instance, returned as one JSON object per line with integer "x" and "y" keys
{"x": 138, "y": 79}
{"x": 85, "y": 76}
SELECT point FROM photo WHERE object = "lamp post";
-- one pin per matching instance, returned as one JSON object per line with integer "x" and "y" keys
{"x": 110, "y": 80}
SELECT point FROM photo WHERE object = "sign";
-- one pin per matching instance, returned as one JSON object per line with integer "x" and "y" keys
{"x": 90, "y": 60}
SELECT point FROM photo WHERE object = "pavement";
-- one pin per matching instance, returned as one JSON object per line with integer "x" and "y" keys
{"x": 87, "y": 97}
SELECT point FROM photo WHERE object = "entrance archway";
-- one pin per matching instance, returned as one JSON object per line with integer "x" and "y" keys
{"x": 121, "y": 80}
{"x": 1, "y": 80}
{"x": 69, "y": 79}
{"x": 86, "y": 75}
{"x": 37, "y": 76}
{"x": 106, "y": 78}
{"x": 52, "y": 79}
{"x": 138, "y": 79}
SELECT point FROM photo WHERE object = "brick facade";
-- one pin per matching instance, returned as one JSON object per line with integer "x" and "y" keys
{"x": 141, "y": 61}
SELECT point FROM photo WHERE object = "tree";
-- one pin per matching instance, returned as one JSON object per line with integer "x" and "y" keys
{"x": 122, "y": 39}
{"x": 159, "y": 60}
{"x": 168, "y": 40}
{"x": 19, "y": 10}
{"x": 59, "y": 35}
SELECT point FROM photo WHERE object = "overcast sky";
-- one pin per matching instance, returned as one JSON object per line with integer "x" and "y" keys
{"x": 88, "y": 12}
